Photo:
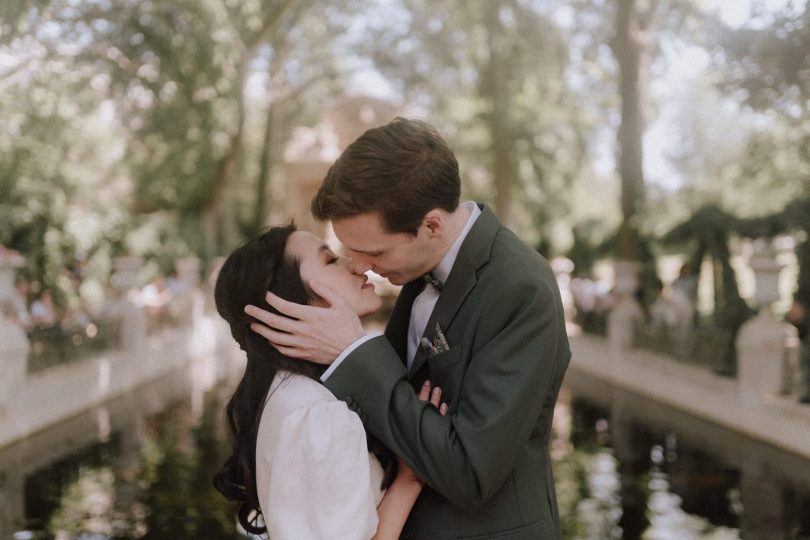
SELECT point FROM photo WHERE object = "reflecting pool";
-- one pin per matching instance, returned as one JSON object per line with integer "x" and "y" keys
{"x": 625, "y": 467}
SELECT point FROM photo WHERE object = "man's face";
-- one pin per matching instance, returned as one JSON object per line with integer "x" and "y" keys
{"x": 399, "y": 257}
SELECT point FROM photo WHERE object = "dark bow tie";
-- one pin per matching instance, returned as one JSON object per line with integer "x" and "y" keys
{"x": 435, "y": 283}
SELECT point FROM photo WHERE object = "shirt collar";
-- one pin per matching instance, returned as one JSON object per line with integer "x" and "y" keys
{"x": 442, "y": 270}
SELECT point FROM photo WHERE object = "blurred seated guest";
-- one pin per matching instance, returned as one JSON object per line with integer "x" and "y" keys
{"x": 661, "y": 313}
{"x": 799, "y": 316}
{"x": 176, "y": 285}
{"x": 154, "y": 298}
{"x": 20, "y": 302}
{"x": 671, "y": 313}
{"x": 43, "y": 311}
{"x": 592, "y": 302}
{"x": 76, "y": 317}
{"x": 686, "y": 284}
{"x": 181, "y": 307}
{"x": 585, "y": 293}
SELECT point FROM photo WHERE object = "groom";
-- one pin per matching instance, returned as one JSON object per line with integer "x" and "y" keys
{"x": 485, "y": 325}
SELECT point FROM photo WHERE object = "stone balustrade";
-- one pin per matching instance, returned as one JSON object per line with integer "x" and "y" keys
{"x": 32, "y": 401}
{"x": 767, "y": 348}
{"x": 763, "y": 341}
{"x": 761, "y": 401}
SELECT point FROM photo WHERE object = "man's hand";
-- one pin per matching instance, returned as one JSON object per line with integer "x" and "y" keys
{"x": 311, "y": 333}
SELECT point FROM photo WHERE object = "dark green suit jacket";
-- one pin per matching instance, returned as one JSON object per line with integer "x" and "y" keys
{"x": 486, "y": 463}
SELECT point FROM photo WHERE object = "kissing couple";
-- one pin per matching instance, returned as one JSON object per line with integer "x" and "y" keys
{"x": 439, "y": 428}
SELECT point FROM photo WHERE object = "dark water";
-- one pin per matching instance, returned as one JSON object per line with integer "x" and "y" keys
{"x": 625, "y": 468}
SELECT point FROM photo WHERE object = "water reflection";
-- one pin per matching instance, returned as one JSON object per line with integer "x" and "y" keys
{"x": 626, "y": 468}
{"x": 629, "y": 468}
{"x": 139, "y": 467}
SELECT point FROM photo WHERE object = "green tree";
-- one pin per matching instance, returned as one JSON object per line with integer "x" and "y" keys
{"x": 492, "y": 76}
{"x": 172, "y": 80}
{"x": 633, "y": 32}
{"x": 769, "y": 66}
{"x": 60, "y": 182}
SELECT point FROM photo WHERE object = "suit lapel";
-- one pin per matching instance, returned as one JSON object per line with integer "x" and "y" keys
{"x": 474, "y": 254}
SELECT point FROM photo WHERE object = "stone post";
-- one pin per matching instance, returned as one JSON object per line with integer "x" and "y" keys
{"x": 132, "y": 318}
{"x": 187, "y": 306}
{"x": 14, "y": 344}
{"x": 626, "y": 313}
{"x": 563, "y": 267}
{"x": 762, "y": 341}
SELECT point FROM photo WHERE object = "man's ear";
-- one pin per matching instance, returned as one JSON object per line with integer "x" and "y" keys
{"x": 434, "y": 222}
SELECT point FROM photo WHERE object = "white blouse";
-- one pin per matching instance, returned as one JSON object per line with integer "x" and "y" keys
{"x": 314, "y": 474}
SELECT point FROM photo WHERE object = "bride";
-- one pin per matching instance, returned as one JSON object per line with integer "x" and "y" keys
{"x": 303, "y": 465}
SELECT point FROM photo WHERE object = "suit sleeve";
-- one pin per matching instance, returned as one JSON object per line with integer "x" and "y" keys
{"x": 467, "y": 455}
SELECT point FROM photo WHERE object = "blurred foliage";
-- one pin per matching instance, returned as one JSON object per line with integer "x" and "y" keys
{"x": 771, "y": 63}
{"x": 769, "y": 69}
{"x": 709, "y": 232}
{"x": 177, "y": 471}
{"x": 493, "y": 76}
{"x": 161, "y": 488}
{"x": 129, "y": 124}
{"x": 158, "y": 128}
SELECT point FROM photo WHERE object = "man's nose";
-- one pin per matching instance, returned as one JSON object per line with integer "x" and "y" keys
{"x": 359, "y": 264}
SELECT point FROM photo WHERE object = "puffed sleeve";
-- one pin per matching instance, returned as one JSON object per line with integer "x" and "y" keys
{"x": 320, "y": 478}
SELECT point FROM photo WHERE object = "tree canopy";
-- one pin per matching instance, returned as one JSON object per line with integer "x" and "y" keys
{"x": 153, "y": 126}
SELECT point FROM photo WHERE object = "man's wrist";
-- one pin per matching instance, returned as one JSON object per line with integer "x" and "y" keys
{"x": 346, "y": 352}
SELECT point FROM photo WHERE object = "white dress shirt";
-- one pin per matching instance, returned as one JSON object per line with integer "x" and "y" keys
{"x": 426, "y": 300}
{"x": 315, "y": 477}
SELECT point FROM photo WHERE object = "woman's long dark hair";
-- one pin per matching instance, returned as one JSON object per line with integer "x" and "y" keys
{"x": 258, "y": 266}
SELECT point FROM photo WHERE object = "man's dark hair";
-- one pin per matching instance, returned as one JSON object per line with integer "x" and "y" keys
{"x": 401, "y": 170}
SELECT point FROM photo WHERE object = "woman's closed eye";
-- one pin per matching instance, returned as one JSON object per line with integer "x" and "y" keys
{"x": 329, "y": 257}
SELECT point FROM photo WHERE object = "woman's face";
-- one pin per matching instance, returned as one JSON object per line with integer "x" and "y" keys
{"x": 318, "y": 262}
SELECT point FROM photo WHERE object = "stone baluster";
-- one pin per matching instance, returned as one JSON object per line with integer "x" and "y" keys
{"x": 563, "y": 267}
{"x": 187, "y": 306}
{"x": 762, "y": 341}
{"x": 626, "y": 313}
{"x": 122, "y": 305}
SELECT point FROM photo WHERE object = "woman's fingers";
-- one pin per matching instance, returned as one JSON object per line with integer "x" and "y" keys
{"x": 291, "y": 309}
{"x": 434, "y": 396}
{"x": 271, "y": 320}
{"x": 424, "y": 392}
{"x": 326, "y": 292}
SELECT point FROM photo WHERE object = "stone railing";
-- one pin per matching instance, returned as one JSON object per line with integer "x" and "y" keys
{"x": 761, "y": 401}
{"x": 767, "y": 348}
{"x": 32, "y": 399}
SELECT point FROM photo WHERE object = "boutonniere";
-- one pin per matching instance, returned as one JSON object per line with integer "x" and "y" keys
{"x": 438, "y": 345}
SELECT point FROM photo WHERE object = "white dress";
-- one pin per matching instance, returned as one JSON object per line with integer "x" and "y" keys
{"x": 314, "y": 474}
